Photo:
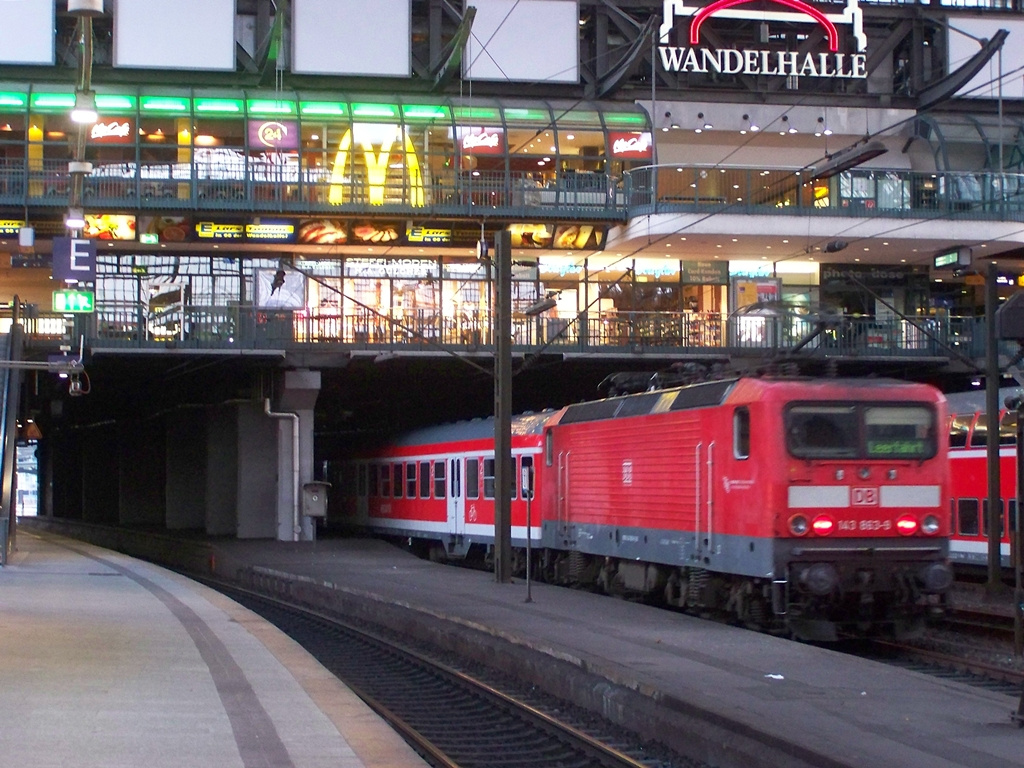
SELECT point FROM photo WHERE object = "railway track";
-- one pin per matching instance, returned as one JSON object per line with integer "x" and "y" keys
{"x": 455, "y": 716}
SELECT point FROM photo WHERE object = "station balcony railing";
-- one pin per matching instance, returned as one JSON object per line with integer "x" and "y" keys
{"x": 244, "y": 327}
{"x": 802, "y": 192}
{"x": 240, "y": 183}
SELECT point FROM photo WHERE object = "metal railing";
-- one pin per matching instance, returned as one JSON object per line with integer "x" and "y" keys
{"x": 248, "y": 327}
{"x": 246, "y": 186}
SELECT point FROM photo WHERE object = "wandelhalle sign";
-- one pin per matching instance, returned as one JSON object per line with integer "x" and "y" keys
{"x": 833, "y": 62}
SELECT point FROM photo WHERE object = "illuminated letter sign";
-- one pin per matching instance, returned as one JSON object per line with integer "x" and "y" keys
{"x": 273, "y": 134}
{"x": 482, "y": 141}
{"x": 378, "y": 166}
{"x": 630, "y": 145}
{"x": 756, "y": 62}
{"x": 113, "y": 131}
{"x": 74, "y": 260}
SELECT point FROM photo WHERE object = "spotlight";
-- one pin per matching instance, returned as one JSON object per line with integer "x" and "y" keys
{"x": 74, "y": 219}
{"x": 752, "y": 125}
{"x": 820, "y": 127}
{"x": 85, "y": 108}
{"x": 704, "y": 124}
{"x": 785, "y": 126}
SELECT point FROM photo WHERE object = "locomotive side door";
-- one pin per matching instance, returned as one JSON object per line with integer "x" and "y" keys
{"x": 704, "y": 512}
{"x": 456, "y": 499}
{"x": 562, "y": 492}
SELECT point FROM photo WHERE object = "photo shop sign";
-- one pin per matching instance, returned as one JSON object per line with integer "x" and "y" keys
{"x": 847, "y": 61}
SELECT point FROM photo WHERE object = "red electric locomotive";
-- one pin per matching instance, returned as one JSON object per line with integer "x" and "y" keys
{"x": 968, "y": 455}
{"x": 815, "y": 506}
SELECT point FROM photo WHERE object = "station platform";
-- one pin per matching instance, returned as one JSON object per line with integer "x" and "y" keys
{"x": 112, "y": 662}
{"x": 724, "y": 695}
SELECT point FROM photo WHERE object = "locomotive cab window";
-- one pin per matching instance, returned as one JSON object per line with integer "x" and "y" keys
{"x": 741, "y": 433}
{"x": 833, "y": 431}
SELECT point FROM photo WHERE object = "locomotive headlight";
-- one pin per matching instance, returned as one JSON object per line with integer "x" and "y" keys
{"x": 823, "y": 525}
{"x": 891, "y": 474}
{"x": 798, "y": 525}
{"x": 930, "y": 525}
{"x": 907, "y": 525}
{"x": 840, "y": 474}
{"x": 863, "y": 473}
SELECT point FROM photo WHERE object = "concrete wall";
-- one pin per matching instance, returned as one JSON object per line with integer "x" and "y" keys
{"x": 141, "y": 473}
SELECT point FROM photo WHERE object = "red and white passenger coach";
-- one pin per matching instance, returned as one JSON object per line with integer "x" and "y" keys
{"x": 811, "y": 505}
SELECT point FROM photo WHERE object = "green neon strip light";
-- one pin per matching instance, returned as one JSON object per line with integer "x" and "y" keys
{"x": 374, "y": 110}
{"x": 105, "y": 101}
{"x": 579, "y": 118}
{"x": 625, "y": 118}
{"x": 164, "y": 104}
{"x": 336, "y": 108}
{"x": 476, "y": 113}
{"x": 10, "y": 99}
{"x": 425, "y": 112}
{"x": 231, "y": 106}
{"x": 527, "y": 115}
{"x": 53, "y": 100}
{"x": 271, "y": 107}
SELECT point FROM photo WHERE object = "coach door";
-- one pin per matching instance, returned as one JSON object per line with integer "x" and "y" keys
{"x": 456, "y": 499}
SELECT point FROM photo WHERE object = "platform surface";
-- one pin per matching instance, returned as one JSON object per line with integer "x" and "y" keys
{"x": 856, "y": 712}
{"x": 110, "y": 662}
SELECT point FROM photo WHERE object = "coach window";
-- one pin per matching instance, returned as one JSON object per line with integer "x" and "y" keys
{"x": 396, "y": 480}
{"x": 472, "y": 478}
{"x": 958, "y": 429}
{"x": 985, "y": 518}
{"x": 1008, "y": 428}
{"x": 967, "y": 517}
{"x": 741, "y": 433}
{"x": 1012, "y": 508}
{"x": 385, "y": 481}
{"x": 424, "y": 479}
{"x": 410, "y": 480}
{"x": 526, "y": 477}
{"x": 361, "y": 480}
{"x": 438, "y": 479}
{"x": 979, "y": 437}
{"x": 374, "y": 479}
{"x": 488, "y": 478}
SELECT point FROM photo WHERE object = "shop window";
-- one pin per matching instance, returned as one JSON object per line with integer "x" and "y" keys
{"x": 472, "y": 478}
{"x": 424, "y": 480}
{"x": 985, "y": 519}
{"x": 959, "y": 427}
{"x": 439, "y": 484}
{"x": 968, "y": 523}
{"x": 488, "y": 478}
{"x": 396, "y": 480}
{"x": 410, "y": 480}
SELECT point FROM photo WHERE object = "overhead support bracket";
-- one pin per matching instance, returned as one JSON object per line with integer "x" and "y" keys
{"x": 451, "y": 56}
{"x": 627, "y": 65}
{"x": 954, "y": 81}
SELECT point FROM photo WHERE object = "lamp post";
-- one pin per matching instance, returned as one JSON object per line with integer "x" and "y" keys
{"x": 504, "y": 475}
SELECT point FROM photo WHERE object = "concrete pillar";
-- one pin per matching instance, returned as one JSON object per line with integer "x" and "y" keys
{"x": 258, "y": 475}
{"x": 298, "y": 395}
{"x": 221, "y": 475}
{"x": 141, "y": 473}
{"x": 186, "y": 464}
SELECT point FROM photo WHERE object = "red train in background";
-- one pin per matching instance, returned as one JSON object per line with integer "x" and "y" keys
{"x": 968, "y": 455}
{"x": 813, "y": 506}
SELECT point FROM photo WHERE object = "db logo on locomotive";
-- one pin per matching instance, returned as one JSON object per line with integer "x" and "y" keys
{"x": 864, "y": 497}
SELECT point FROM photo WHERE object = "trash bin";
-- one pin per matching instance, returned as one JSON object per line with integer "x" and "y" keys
{"x": 314, "y": 499}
